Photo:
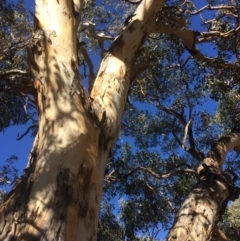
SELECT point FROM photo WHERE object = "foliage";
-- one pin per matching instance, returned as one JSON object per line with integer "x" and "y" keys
{"x": 14, "y": 33}
{"x": 8, "y": 176}
{"x": 231, "y": 221}
{"x": 109, "y": 226}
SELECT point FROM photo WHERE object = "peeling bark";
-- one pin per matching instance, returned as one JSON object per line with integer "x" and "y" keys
{"x": 199, "y": 213}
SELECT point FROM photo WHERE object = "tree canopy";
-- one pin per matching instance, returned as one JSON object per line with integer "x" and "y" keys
{"x": 184, "y": 95}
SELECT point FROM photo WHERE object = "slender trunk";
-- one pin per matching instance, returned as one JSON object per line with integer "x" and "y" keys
{"x": 199, "y": 213}
{"x": 59, "y": 196}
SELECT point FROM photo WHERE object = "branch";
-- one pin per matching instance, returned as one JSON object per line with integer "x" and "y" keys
{"x": 181, "y": 66}
{"x": 139, "y": 69}
{"x": 188, "y": 130}
{"x": 220, "y": 234}
{"x": 209, "y": 7}
{"x": 26, "y": 132}
{"x": 172, "y": 112}
{"x": 20, "y": 86}
{"x": 87, "y": 58}
{"x": 217, "y": 33}
{"x": 215, "y": 20}
{"x": 13, "y": 71}
{"x": 170, "y": 23}
{"x": 116, "y": 176}
{"x": 192, "y": 150}
{"x": 114, "y": 72}
{"x": 225, "y": 144}
{"x": 89, "y": 26}
{"x": 133, "y": 2}
{"x": 184, "y": 145}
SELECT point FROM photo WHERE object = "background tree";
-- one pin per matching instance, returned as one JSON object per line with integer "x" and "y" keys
{"x": 14, "y": 33}
{"x": 230, "y": 224}
{"x": 166, "y": 127}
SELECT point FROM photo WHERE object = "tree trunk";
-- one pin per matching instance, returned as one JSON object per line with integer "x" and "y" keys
{"x": 58, "y": 198}
{"x": 200, "y": 212}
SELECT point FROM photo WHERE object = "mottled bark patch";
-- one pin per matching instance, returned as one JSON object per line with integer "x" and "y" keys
{"x": 131, "y": 28}
{"x": 63, "y": 195}
{"x": 85, "y": 174}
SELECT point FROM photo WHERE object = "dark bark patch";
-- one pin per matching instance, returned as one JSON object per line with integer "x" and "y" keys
{"x": 74, "y": 10}
{"x": 128, "y": 20}
{"x": 32, "y": 237}
{"x": 85, "y": 174}
{"x": 95, "y": 111}
{"x": 76, "y": 87}
{"x": 135, "y": 46}
{"x": 117, "y": 43}
{"x": 131, "y": 28}
{"x": 63, "y": 195}
{"x": 83, "y": 208}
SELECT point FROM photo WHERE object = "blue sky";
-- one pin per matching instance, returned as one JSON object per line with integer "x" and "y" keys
{"x": 9, "y": 145}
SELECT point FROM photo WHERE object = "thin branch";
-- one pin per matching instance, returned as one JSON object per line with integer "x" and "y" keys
{"x": 116, "y": 176}
{"x": 217, "y": 33}
{"x": 181, "y": 65}
{"x": 13, "y": 72}
{"x": 192, "y": 150}
{"x": 91, "y": 76}
{"x": 215, "y": 20}
{"x": 186, "y": 61}
{"x": 26, "y": 132}
{"x": 89, "y": 26}
{"x": 177, "y": 27}
{"x": 209, "y": 7}
{"x": 184, "y": 145}
{"x": 172, "y": 112}
{"x": 133, "y": 2}
{"x": 220, "y": 234}
{"x": 183, "y": 3}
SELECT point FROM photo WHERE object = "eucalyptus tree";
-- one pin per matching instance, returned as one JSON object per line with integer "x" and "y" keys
{"x": 59, "y": 196}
